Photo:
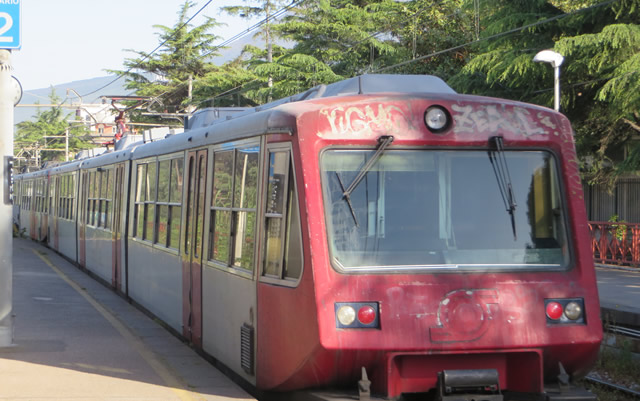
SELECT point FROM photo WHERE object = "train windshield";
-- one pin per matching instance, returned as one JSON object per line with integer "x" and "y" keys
{"x": 426, "y": 209}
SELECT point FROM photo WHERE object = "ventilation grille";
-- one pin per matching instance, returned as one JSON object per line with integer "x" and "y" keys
{"x": 246, "y": 348}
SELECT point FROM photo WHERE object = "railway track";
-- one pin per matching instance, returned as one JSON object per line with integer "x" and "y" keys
{"x": 632, "y": 334}
{"x": 625, "y": 331}
{"x": 613, "y": 386}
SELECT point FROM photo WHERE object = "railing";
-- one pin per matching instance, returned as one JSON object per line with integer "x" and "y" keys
{"x": 615, "y": 242}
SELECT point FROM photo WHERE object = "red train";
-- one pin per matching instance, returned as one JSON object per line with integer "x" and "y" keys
{"x": 383, "y": 224}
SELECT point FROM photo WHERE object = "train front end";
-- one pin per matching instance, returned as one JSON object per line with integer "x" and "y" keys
{"x": 449, "y": 246}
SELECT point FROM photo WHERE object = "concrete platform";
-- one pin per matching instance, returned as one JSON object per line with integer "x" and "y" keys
{"x": 74, "y": 339}
{"x": 619, "y": 294}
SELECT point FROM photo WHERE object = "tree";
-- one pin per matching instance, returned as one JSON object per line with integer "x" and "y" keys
{"x": 600, "y": 85}
{"x": 36, "y": 137}
{"x": 167, "y": 75}
{"x": 422, "y": 28}
{"x": 261, "y": 8}
{"x": 344, "y": 35}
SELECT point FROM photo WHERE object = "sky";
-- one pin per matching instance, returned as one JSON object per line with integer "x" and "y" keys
{"x": 70, "y": 40}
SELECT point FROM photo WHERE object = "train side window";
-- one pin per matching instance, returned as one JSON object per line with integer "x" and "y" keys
{"x": 220, "y": 226}
{"x": 164, "y": 172}
{"x": 146, "y": 197}
{"x": 283, "y": 240}
{"x": 71, "y": 194}
{"x": 234, "y": 207}
{"x": 141, "y": 175}
{"x": 109, "y": 198}
{"x": 175, "y": 202}
{"x": 151, "y": 197}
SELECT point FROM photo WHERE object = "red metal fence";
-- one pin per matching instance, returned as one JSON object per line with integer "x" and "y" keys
{"x": 615, "y": 243}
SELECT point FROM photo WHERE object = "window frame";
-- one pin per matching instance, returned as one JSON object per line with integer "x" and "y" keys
{"x": 435, "y": 269}
{"x": 210, "y": 210}
{"x": 154, "y": 203}
{"x": 98, "y": 198}
{"x": 291, "y": 201}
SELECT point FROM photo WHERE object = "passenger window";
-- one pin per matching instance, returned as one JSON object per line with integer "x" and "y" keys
{"x": 283, "y": 249}
{"x": 139, "y": 210}
{"x": 175, "y": 203}
{"x": 233, "y": 208}
{"x": 158, "y": 201}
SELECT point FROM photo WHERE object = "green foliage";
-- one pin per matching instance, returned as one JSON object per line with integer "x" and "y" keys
{"x": 599, "y": 78}
{"x": 222, "y": 87}
{"x": 31, "y": 136}
{"x": 337, "y": 39}
{"x": 620, "y": 230}
{"x": 180, "y": 59}
{"x": 345, "y": 36}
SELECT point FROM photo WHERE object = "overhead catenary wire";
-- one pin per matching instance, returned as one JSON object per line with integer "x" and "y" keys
{"x": 227, "y": 42}
{"x": 149, "y": 54}
{"x": 494, "y": 36}
{"x": 491, "y": 37}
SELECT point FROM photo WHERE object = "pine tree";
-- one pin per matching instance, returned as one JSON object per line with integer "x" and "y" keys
{"x": 347, "y": 36}
{"x": 183, "y": 57}
{"x": 600, "y": 74}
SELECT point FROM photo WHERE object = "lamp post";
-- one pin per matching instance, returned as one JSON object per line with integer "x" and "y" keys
{"x": 555, "y": 59}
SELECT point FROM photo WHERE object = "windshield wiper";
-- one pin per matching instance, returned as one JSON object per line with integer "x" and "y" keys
{"x": 501, "y": 171}
{"x": 383, "y": 142}
{"x": 353, "y": 212}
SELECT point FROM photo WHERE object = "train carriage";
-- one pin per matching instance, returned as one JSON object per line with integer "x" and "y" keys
{"x": 101, "y": 216}
{"x": 62, "y": 217}
{"x": 34, "y": 204}
{"x": 382, "y": 224}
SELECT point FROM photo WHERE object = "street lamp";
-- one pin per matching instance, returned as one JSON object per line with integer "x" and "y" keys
{"x": 555, "y": 59}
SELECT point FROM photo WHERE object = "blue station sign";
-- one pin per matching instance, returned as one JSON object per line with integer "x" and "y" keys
{"x": 10, "y": 26}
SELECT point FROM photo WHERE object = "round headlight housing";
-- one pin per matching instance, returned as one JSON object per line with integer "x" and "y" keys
{"x": 573, "y": 311}
{"x": 346, "y": 315}
{"x": 437, "y": 119}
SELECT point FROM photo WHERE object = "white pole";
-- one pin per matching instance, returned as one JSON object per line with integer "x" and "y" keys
{"x": 6, "y": 214}
{"x": 556, "y": 88}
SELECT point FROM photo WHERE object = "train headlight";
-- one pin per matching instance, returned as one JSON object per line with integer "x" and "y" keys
{"x": 561, "y": 311}
{"x": 346, "y": 315}
{"x": 573, "y": 310}
{"x": 357, "y": 315}
{"x": 436, "y": 118}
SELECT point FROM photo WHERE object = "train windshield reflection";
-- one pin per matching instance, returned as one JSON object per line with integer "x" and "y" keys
{"x": 418, "y": 209}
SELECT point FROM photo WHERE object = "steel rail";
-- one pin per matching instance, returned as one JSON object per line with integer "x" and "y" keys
{"x": 624, "y": 331}
{"x": 612, "y": 385}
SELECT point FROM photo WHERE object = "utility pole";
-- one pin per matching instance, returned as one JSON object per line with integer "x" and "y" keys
{"x": 6, "y": 212}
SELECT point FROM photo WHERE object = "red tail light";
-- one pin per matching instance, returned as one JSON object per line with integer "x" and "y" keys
{"x": 367, "y": 315}
{"x": 554, "y": 310}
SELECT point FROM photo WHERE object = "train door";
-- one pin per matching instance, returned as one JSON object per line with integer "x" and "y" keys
{"x": 46, "y": 208}
{"x": 54, "y": 210}
{"x": 196, "y": 179}
{"x": 116, "y": 234}
{"x": 82, "y": 217}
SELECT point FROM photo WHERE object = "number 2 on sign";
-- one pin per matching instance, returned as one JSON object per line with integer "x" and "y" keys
{"x": 8, "y": 23}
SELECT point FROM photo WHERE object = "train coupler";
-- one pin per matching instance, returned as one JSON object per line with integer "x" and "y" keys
{"x": 468, "y": 385}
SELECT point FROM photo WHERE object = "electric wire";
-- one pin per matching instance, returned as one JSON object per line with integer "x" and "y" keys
{"x": 150, "y": 54}
{"x": 491, "y": 37}
{"x": 494, "y": 36}
{"x": 227, "y": 42}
